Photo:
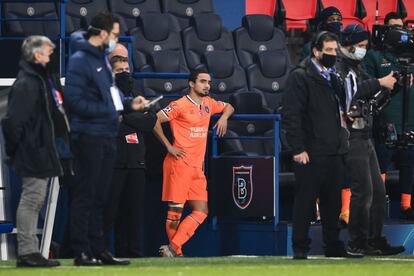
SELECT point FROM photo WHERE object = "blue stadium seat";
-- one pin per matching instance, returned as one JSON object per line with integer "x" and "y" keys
{"x": 227, "y": 75}
{"x": 206, "y": 35}
{"x": 23, "y": 19}
{"x": 258, "y": 34}
{"x": 79, "y": 13}
{"x": 269, "y": 75}
{"x": 156, "y": 34}
{"x": 129, "y": 11}
{"x": 252, "y": 103}
{"x": 161, "y": 62}
{"x": 184, "y": 10}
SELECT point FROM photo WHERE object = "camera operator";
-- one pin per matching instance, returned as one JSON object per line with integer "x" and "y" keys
{"x": 367, "y": 208}
{"x": 379, "y": 63}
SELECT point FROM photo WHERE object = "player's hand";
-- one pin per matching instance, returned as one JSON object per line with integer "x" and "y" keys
{"x": 301, "y": 158}
{"x": 221, "y": 126}
{"x": 388, "y": 81}
{"x": 176, "y": 152}
{"x": 139, "y": 103}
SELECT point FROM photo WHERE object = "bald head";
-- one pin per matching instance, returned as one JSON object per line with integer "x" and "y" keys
{"x": 119, "y": 50}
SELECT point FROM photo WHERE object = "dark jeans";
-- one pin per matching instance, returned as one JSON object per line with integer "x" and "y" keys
{"x": 125, "y": 211}
{"x": 367, "y": 209}
{"x": 94, "y": 161}
{"x": 322, "y": 178}
{"x": 404, "y": 159}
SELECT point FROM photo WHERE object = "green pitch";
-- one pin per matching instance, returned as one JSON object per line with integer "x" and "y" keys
{"x": 232, "y": 266}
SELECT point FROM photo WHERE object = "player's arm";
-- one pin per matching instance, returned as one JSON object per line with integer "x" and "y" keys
{"x": 158, "y": 131}
{"x": 221, "y": 124}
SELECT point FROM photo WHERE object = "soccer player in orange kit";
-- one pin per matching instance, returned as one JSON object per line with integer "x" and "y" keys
{"x": 184, "y": 181}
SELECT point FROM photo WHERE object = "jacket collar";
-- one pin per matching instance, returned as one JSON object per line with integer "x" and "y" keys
{"x": 33, "y": 69}
{"x": 312, "y": 71}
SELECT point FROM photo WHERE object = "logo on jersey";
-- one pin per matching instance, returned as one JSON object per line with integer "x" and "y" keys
{"x": 132, "y": 138}
{"x": 242, "y": 186}
{"x": 83, "y": 11}
{"x": 167, "y": 109}
{"x": 207, "y": 109}
{"x": 136, "y": 12}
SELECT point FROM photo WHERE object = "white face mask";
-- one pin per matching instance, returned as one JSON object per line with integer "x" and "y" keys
{"x": 359, "y": 53}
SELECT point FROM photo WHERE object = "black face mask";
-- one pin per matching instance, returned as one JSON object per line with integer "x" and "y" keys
{"x": 328, "y": 60}
{"x": 124, "y": 82}
{"x": 334, "y": 27}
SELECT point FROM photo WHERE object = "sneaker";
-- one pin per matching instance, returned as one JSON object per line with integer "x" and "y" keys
{"x": 407, "y": 214}
{"x": 359, "y": 250}
{"x": 384, "y": 248}
{"x": 300, "y": 255}
{"x": 356, "y": 252}
{"x": 167, "y": 251}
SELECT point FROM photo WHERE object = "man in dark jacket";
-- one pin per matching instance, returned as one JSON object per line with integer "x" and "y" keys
{"x": 36, "y": 137}
{"x": 126, "y": 202}
{"x": 367, "y": 208}
{"x": 94, "y": 104}
{"x": 312, "y": 120}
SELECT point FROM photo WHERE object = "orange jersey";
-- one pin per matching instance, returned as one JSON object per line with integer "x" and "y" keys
{"x": 189, "y": 124}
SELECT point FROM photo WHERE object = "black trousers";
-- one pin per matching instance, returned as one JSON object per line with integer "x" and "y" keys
{"x": 94, "y": 161}
{"x": 322, "y": 178}
{"x": 367, "y": 209}
{"x": 124, "y": 211}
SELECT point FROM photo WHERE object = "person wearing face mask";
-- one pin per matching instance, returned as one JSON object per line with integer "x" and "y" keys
{"x": 311, "y": 117}
{"x": 330, "y": 19}
{"x": 367, "y": 204}
{"x": 124, "y": 210}
{"x": 94, "y": 105}
{"x": 379, "y": 63}
{"x": 36, "y": 134}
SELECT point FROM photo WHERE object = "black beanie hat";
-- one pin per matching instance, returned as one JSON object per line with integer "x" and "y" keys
{"x": 329, "y": 11}
{"x": 353, "y": 34}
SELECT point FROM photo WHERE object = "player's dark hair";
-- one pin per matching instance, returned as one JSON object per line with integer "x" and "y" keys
{"x": 194, "y": 74}
{"x": 102, "y": 21}
{"x": 321, "y": 38}
{"x": 390, "y": 16}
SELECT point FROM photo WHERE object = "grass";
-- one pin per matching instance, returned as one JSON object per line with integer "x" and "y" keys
{"x": 231, "y": 266}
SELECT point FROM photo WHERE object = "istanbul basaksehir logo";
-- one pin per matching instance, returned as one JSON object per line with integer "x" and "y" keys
{"x": 242, "y": 186}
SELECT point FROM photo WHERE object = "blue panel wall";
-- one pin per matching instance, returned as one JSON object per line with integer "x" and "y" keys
{"x": 231, "y": 12}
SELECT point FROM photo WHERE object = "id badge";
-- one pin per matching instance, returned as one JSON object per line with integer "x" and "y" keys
{"x": 116, "y": 98}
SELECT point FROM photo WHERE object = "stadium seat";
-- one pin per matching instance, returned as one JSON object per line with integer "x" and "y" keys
{"x": 129, "y": 11}
{"x": 161, "y": 62}
{"x": 298, "y": 13}
{"x": 264, "y": 7}
{"x": 407, "y": 7}
{"x": 251, "y": 103}
{"x": 351, "y": 11}
{"x": 206, "y": 35}
{"x": 227, "y": 75}
{"x": 184, "y": 10}
{"x": 257, "y": 34}
{"x": 23, "y": 19}
{"x": 268, "y": 76}
{"x": 384, "y": 7}
{"x": 79, "y": 13}
{"x": 155, "y": 34}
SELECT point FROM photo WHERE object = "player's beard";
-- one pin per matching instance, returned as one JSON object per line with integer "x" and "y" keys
{"x": 203, "y": 93}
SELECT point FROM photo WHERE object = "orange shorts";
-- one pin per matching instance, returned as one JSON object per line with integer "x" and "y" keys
{"x": 182, "y": 182}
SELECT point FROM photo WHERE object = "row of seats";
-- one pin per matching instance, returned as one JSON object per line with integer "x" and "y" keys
{"x": 299, "y": 14}
{"x": 80, "y": 12}
{"x": 255, "y": 60}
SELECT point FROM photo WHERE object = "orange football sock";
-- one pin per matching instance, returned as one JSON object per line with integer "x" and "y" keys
{"x": 187, "y": 228}
{"x": 172, "y": 222}
{"x": 383, "y": 177}
{"x": 405, "y": 201}
{"x": 346, "y": 199}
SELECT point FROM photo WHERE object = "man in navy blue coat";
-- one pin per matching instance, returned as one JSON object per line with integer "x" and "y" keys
{"x": 94, "y": 105}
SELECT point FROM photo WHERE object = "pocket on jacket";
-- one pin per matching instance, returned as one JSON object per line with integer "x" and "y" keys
{"x": 34, "y": 160}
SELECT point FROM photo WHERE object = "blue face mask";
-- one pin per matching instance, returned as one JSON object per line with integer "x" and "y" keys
{"x": 111, "y": 46}
{"x": 334, "y": 27}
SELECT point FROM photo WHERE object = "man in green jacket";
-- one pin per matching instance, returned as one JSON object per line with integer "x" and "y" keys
{"x": 379, "y": 63}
